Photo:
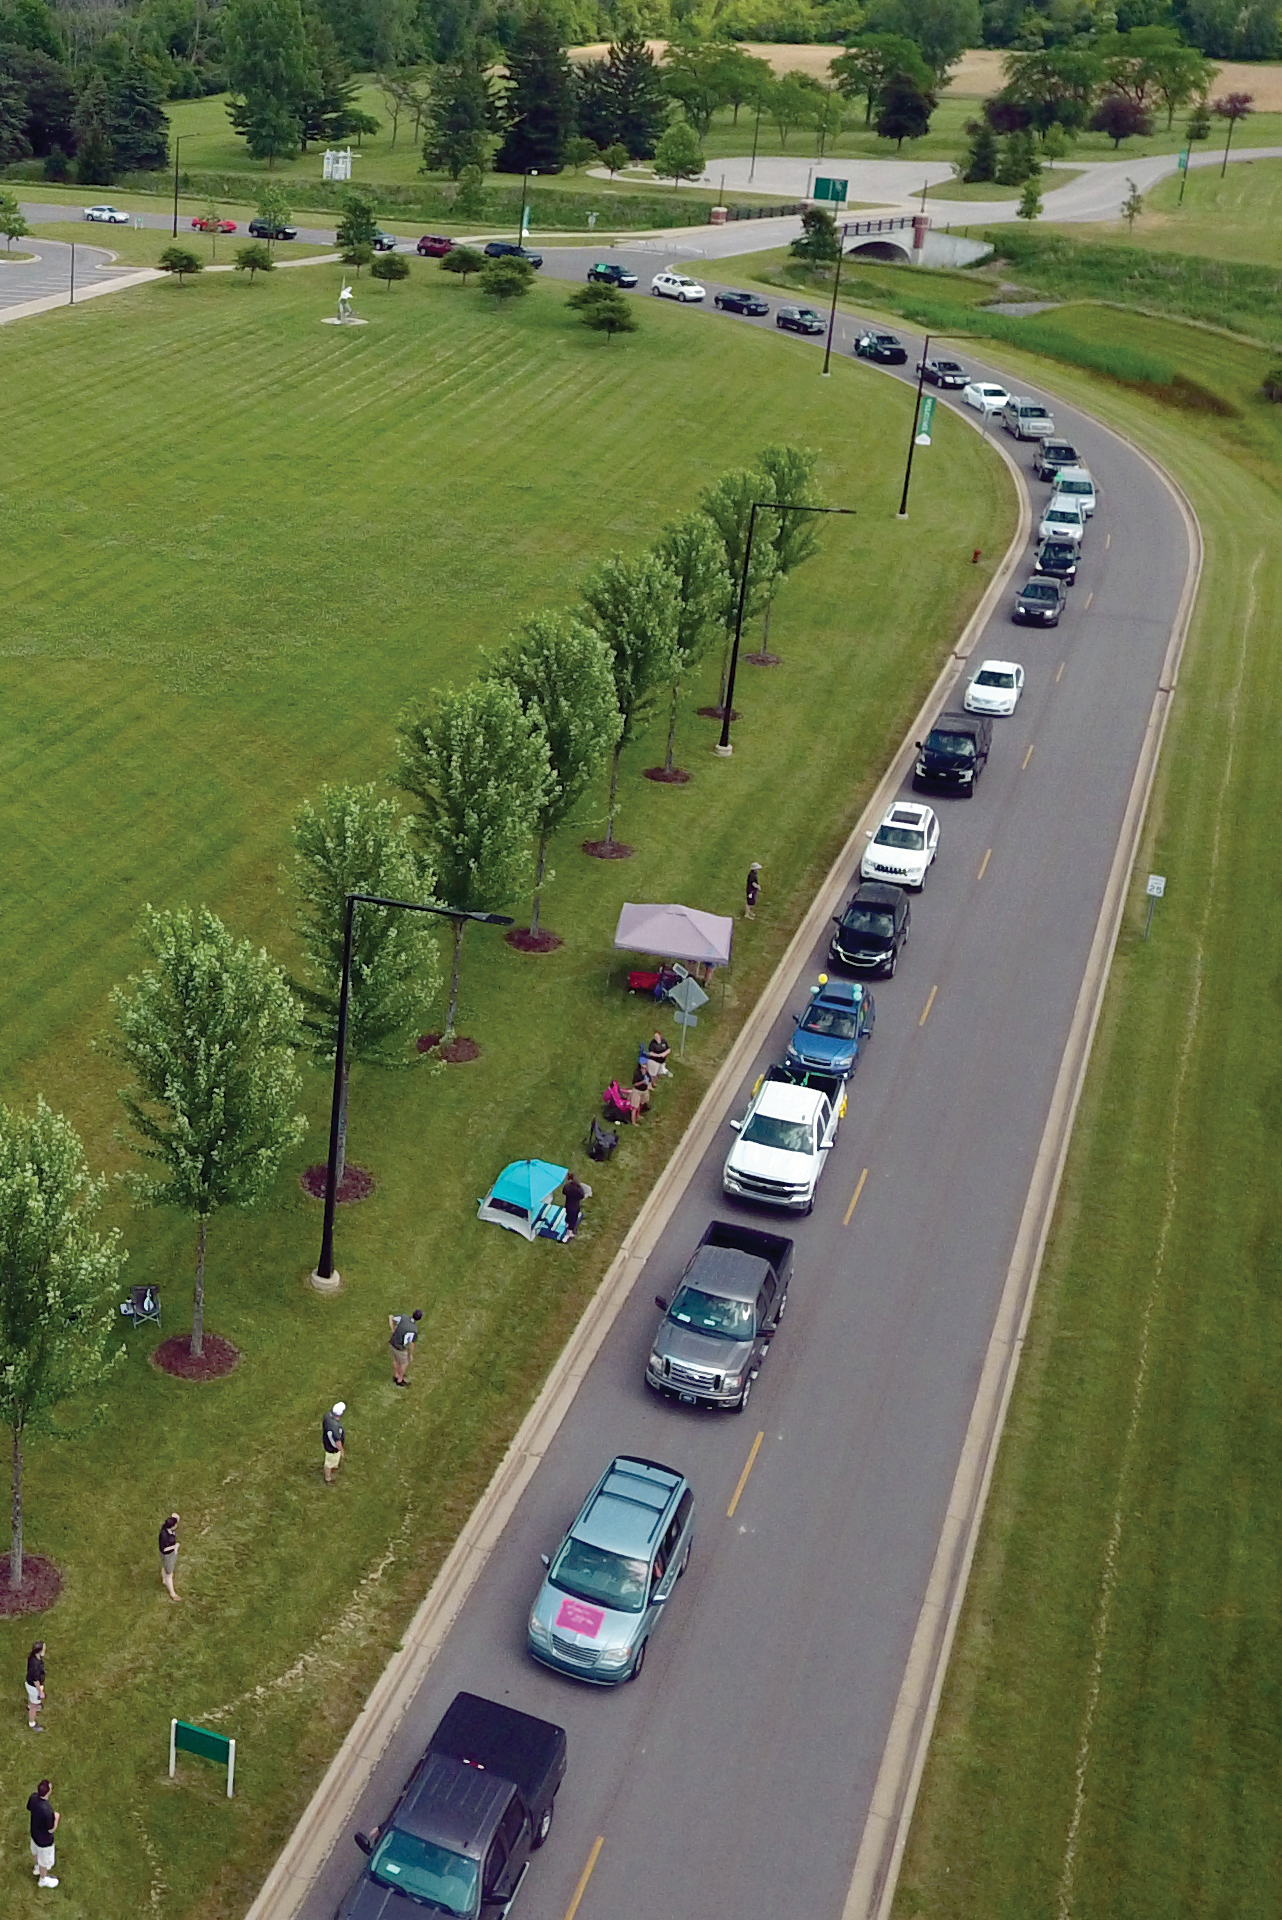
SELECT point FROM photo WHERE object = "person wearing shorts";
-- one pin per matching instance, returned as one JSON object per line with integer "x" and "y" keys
{"x": 333, "y": 1439}
{"x": 404, "y": 1333}
{"x": 169, "y": 1555}
{"x": 44, "y": 1824}
{"x": 35, "y": 1685}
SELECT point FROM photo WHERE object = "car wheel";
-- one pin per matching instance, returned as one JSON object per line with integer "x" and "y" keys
{"x": 655, "y": 292}
{"x": 639, "y": 1662}
{"x": 741, "y": 1404}
{"x": 681, "y": 299}
{"x": 544, "y": 1827}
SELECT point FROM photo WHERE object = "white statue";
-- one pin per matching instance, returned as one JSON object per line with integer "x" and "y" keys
{"x": 344, "y": 304}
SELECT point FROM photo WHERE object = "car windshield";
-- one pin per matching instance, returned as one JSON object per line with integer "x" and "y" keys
{"x": 787, "y": 1136}
{"x": 445, "y": 1880}
{"x": 604, "y": 1578}
{"x": 869, "y": 920}
{"x": 711, "y": 1313}
{"x": 990, "y": 679}
{"x": 1035, "y": 590}
{"x": 1064, "y": 516}
{"x": 953, "y": 746}
{"x": 1075, "y": 486}
{"x": 911, "y": 837}
{"x": 947, "y": 366}
{"x": 841, "y": 1023}
{"x": 806, "y": 313}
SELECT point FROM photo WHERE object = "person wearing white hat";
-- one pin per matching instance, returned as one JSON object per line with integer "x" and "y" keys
{"x": 333, "y": 1439}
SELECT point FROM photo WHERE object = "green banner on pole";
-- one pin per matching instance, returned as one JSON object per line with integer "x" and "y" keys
{"x": 1184, "y": 161}
{"x": 926, "y": 421}
{"x": 826, "y": 189}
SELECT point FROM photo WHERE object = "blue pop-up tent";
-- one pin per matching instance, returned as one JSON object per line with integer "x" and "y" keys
{"x": 521, "y": 1199}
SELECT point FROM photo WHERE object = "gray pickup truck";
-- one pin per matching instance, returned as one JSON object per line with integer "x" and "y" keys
{"x": 716, "y": 1333}
{"x": 459, "y": 1838}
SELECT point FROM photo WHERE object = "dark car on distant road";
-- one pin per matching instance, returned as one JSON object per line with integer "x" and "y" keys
{"x": 508, "y": 250}
{"x": 885, "y": 348}
{"x": 735, "y": 301}
{"x": 799, "y": 320}
{"x": 606, "y": 274}
{"x": 435, "y": 246}
{"x": 1059, "y": 559}
{"x": 943, "y": 373}
{"x": 383, "y": 242}
{"x": 265, "y": 230}
{"x": 1040, "y": 602}
{"x": 871, "y": 929}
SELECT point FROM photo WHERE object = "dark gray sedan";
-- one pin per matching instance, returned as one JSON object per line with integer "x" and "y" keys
{"x": 1040, "y": 603}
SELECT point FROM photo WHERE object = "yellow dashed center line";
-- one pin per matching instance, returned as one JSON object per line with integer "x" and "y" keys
{"x": 1108, "y": 540}
{"x": 1090, "y": 596}
{"x": 1027, "y": 757}
{"x": 584, "y": 1877}
{"x": 854, "y": 1198}
{"x": 1060, "y": 675}
{"x": 738, "y": 1493}
{"x": 925, "y": 1012}
{"x": 983, "y": 865}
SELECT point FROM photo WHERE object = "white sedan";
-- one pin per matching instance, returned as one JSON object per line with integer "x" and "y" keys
{"x": 995, "y": 688}
{"x": 109, "y": 216}
{"x": 1062, "y": 520}
{"x": 677, "y": 286}
{"x": 903, "y": 846}
{"x": 984, "y": 396}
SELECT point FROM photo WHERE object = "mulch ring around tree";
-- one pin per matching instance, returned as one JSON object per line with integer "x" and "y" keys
{"x": 607, "y": 850}
{"x": 670, "y": 776}
{"x": 174, "y": 1356}
{"x": 526, "y": 942}
{"x": 717, "y": 713}
{"x": 355, "y": 1184}
{"x": 763, "y": 659}
{"x": 454, "y": 1052}
{"x": 41, "y": 1585}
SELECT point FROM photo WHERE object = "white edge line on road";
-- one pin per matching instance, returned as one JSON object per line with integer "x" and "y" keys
{"x": 881, "y": 1850}
{"x": 334, "y": 1801}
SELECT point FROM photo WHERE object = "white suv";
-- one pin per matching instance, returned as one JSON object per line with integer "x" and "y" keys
{"x": 677, "y": 286}
{"x": 903, "y": 846}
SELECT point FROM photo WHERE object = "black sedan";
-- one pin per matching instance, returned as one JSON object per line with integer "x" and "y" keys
{"x": 734, "y": 301}
{"x": 1040, "y": 603}
{"x": 943, "y": 373}
{"x": 872, "y": 929}
{"x": 885, "y": 348}
{"x": 508, "y": 250}
{"x": 604, "y": 273}
{"x": 264, "y": 230}
{"x": 799, "y": 320}
{"x": 1058, "y": 559}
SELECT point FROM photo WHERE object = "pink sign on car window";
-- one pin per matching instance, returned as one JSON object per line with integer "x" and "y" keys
{"x": 577, "y": 1617}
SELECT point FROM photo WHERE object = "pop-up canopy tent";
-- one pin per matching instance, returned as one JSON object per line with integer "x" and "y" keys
{"x": 676, "y": 933}
{"x": 521, "y": 1198}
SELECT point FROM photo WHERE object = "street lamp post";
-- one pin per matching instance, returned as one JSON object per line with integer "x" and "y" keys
{"x": 756, "y": 129}
{"x": 325, "y": 1265}
{"x": 72, "y": 299}
{"x": 912, "y": 437}
{"x": 531, "y": 173}
{"x": 832, "y": 311}
{"x": 723, "y": 746}
{"x": 177, "y": 150}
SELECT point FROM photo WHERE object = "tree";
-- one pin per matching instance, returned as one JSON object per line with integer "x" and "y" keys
{"x": 459, "y": 118}
{"x": 1153, "y": 63}
{"x": 357, "y": 841}
{"x": 563, "y": 677}
{"x": 255, "y": 258}
{"x": 478, "y": 766}
{"x": 728, "y": 505}
{"x": 327, "y": 107}
{"x": 180, "y": 261}
{"x": 508, "y": 279}
{"x": 1030, "y": 200}
{"x": 463, "y": 260}
{"x": 788, "y": 474}
{"x": 1271, "y": 385}
{"x": 389, "y": 267}
{"x": 905, "y": 110}
{"x": 358, "y": 256}
{"x": 818, "y": 243}
{"x": 49, "y": 101}
{"x": 790, "y": 102}
{"x": 1018, "y": 160}
{"x": 693, "y": 74}
{"x": 270, "y": 127}
{"x": 1199, "y": 123}
{"x": 271, "y": 70}
{"x": 678, "y": 155}
{"x": 95, "y": 155}
{"x": 693, "y": 553}
{"x": 616, "y": 157}
{"x": 1055, "y": 86}
{"x": 469, "y": 200}
{"x": 1232, "y": 108}
{"x": 12, "y": 224}
{"x": 58, "y": 1277}
{"x": 634, "y": 88}
{"x": 1120, "y": 118}
{"x": 829, "y": 117}
{"x": 359, "y": 224}
{"x": 740, "y": 78}
{"x": 406, "y": 91}
{"x": 866, "y": 65}
{"x": 208, "y": 1035}
{"x": 941, "y": 29}
{"x": 633, "y": 605}
{"x": 14, "y": 143}
{"x": 580, "y": 152}
{"x": 137, "y": 119}
{"x": 274, "y": 207}
{"x": 1132, "y": 206}
{"x": 982, "y": 153}
{"x": 539, "y": 107}
{"x": 604, "y": 310}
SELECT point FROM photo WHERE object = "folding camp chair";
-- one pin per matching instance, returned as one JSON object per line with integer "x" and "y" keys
{"x": 142, "y": 1305}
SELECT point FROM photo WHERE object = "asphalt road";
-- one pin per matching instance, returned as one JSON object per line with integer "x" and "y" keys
{"x": 733, "y": 1779}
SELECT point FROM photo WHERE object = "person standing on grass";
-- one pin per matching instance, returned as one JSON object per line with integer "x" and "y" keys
{"x": 35, "y": 1685}
{"x": 574, "y": 1192}
{"x": 752, "y": 891}
{"x": 332, "y": 1439}
{"x": 44, "y": 1824}
{"x": 169, "y": 1555}
{"x": 404, "y": 1333}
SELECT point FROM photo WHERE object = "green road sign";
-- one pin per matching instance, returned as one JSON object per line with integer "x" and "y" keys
{"x": 185, "y": 1738}
{"x": 826, "y": 189}
{"x": 1184, "y": 161}
{"x": 925, "y": 422}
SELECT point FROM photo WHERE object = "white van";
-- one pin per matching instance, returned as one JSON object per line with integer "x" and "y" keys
{"x": 1027, "y": 418}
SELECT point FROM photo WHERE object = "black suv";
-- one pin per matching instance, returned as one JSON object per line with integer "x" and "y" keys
{"x": 799, "y": 320}
{"x": 883, "y": 347}
{"x": 264, "y": 230}
{"x": 871, "y": 929}
{"x": 508, "y": 250}
{"x": 606, "y": 274}
{"x": 1040, "y": 602}
{"x": 1059, "y": 559}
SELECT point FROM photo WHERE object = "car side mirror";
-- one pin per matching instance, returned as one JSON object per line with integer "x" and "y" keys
{"x": 546, "y": 1559}
{"x": 661, "y": 1303}
{"x": 364, "y": 1842}
{"x": 735, "y": 1125}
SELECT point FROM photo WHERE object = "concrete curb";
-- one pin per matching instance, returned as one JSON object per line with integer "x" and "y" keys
{"x": 334, "y": 1802}
{"x": 877, "y": 1864}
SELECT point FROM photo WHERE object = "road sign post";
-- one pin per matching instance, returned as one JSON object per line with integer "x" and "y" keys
{"x": 1155, "y": 889}
{"x": 185, "y": 1738}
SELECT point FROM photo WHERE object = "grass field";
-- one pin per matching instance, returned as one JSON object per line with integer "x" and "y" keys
{"x": 1109, "y": 1741}
{"x": 1237, "y": 219}
{"x": 246, "y": 546}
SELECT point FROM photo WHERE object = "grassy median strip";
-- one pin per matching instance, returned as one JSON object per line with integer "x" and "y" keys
{"x": 1109, "y": 1737}
{"x": 239, "y": 542}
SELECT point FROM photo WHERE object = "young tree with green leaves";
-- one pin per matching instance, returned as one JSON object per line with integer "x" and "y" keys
{"x": 506, "y": 279}
{"x": 678, "y": 155}
{"x": 389, "y": 267}
{"x": 1030, "y": 200}
{"x": 728, "y": 505}
{"x": 58, "y": 1280}
{"x": 275, "y": 208}
{"x": 790, "y": 102}
{"x": 463, "y": 261}
{"x": 616, "y": 157}
{"x": 817, "y": 243}
{"x": 789, "y": 476}
{"x": 538, "y": 110}
{"x": 1132, "y": 206}
{"x": 564, "y": 678}
{"x": 693, "y": 75}
{"x": 1199, "y": 123}
{"x": 12, "y": 224}
{"x": 633, "y": 606}
{"x": 209, "y": 1035}
{"x": 180, "y": 261}
{"x": 469, "y": 200}
{"x": 255, "y": 258}
{"x": 359, "y": 224}
{"x": 358, "y": 256}
{"x": 693, "y": 552}
{"x": 460, "y": 118}
{"x": 580, "y": 152}
{"x": 478, "y": 766}
{"x": 861, "y": 72}
{"x": 982, "y": 154}
{"x": 604, "y": 310}
{"x": 355, "y": 840}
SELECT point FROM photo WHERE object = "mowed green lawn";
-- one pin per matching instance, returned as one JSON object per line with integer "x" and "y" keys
{"x": 1237, "y": 218}
{"x": 1109, "y": 1740}
{"x": 239, "y": 542}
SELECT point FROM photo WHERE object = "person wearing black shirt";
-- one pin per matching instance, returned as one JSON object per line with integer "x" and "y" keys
{"x": 332, "y": 1439}
{"x": 44, "y": 1824}
{"x": 169, "y": 1555}
{"x": 404, "y": 1333}
{"x": 574, "y": 1193}
{"x": 35, "y": 1685}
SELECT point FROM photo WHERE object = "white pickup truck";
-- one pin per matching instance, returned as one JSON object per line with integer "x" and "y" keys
{"x": 785, "y": 1138}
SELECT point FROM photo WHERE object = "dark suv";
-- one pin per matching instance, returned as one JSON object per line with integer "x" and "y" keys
{"x": 882, "y": 347}
{"x": 264, "y": 230}
{"x": 872, "y": 929}
{"x": 605, "y": 273}
{"x": 508, "y": 250}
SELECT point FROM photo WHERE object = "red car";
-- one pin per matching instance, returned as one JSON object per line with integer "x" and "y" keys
{"x": 202, "y": 225}
{"x": 435, "y": 246}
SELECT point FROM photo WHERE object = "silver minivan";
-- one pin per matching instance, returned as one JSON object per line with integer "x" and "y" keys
{"x": 1027, "y": 418}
